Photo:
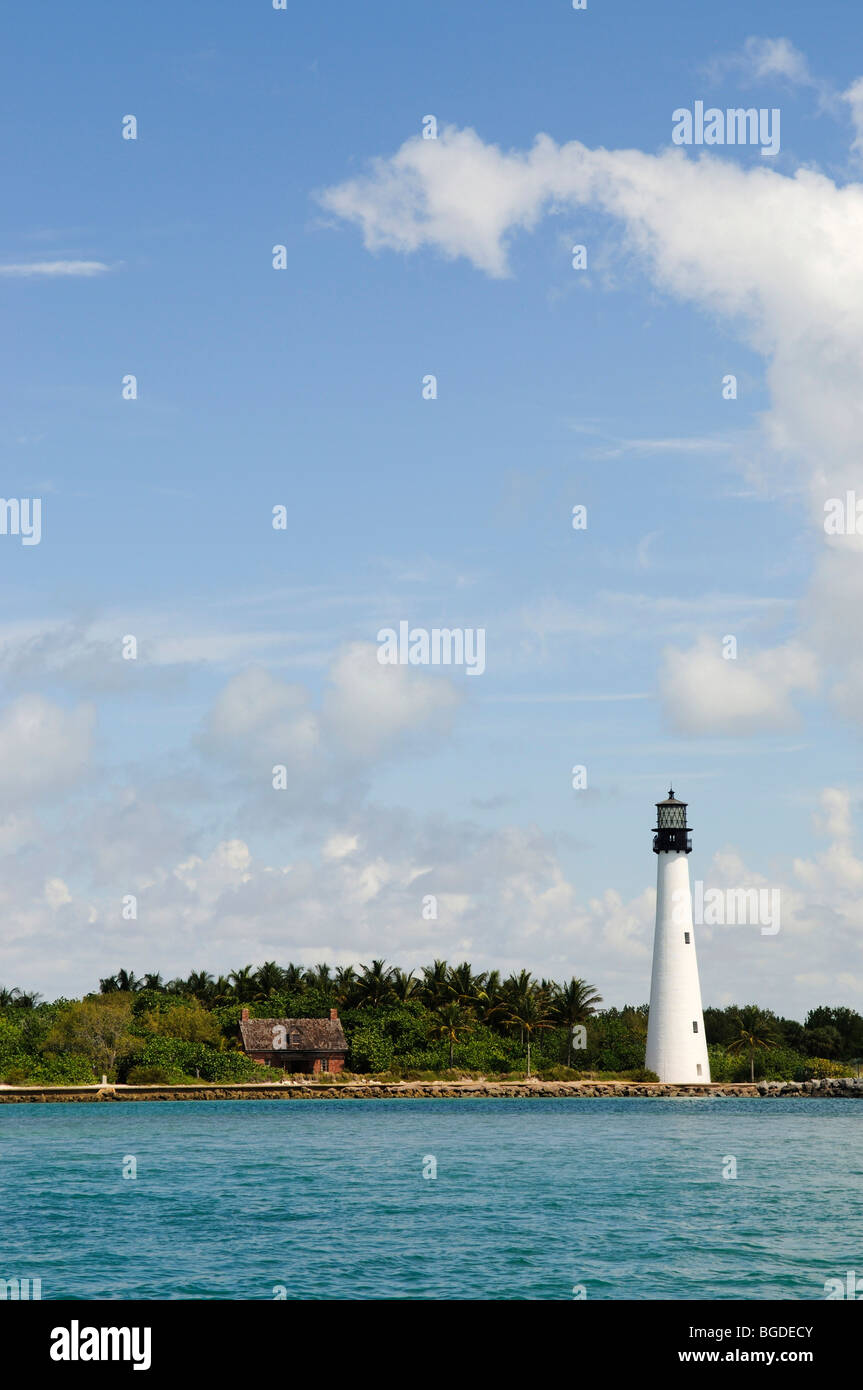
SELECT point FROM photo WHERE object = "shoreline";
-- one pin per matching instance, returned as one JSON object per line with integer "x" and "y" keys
{"x": 848, "y": 1088}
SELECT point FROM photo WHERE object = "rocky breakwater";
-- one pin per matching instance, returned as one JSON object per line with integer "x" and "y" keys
{"x": 843, "y": 1088}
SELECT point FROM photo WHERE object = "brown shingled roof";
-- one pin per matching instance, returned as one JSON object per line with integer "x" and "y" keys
{"x": 316, "y": 1034}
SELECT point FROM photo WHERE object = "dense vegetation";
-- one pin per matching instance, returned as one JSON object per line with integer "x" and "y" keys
{"x": 445, "y": 1020}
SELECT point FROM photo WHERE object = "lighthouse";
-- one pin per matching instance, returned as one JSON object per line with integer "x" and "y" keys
{"x": 676, "y": 1045}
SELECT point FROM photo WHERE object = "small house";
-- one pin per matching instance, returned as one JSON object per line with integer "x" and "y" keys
{"x": 295, "y": 1044}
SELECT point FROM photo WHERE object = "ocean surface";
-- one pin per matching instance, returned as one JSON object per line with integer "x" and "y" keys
{"x": 532, "y": 1198}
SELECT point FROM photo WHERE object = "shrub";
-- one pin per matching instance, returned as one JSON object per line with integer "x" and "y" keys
{"x": 370, "y": 1050}
{"x": 63, "y": 1069}
{"x": 820, "y": 1067}
{"x": 232, "y": 1066}
{"x": 152, "y": 1076}
{"x": 185, "y": 1019}
{"x": 15, "y": 1076}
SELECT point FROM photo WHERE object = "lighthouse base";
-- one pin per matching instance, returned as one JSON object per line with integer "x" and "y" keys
{"x": 676, "y": 1045}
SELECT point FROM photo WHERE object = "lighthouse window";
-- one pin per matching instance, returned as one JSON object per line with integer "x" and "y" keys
{"x": 694, "y": 1027}
{"x": 686, "y": 937}
{"x": 699, "y": 1068}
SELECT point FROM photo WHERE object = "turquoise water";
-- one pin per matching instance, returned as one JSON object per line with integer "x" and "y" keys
{"x": 328, "y": 1199}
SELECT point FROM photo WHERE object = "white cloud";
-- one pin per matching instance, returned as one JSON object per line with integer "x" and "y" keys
{"x": 704, "y": 692}
{"x": 368, "y": 706}
{"x": 853, "y": 97}
{"x": 43, "y": 747}
{"x": 763, "y": 58}
{"x": 27, "y": 269}
{"x": 777, "y": 255}
{"x": 367, "y": 710}
{"x": 57, "y": 893}
{"x": 259, "y": 718}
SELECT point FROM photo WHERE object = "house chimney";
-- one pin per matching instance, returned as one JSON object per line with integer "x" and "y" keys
{"x": 334, "y": 1013}
{"x": 244, "y": 1015}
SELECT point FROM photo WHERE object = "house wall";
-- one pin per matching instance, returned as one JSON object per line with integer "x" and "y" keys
{"x": 297, "y": 1062}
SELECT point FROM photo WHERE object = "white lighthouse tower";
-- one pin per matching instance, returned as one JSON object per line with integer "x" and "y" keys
{"x": 676, "y": 1045}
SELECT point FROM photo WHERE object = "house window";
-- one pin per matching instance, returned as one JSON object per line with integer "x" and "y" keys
{"x": 686, "y": 937}
{"x": 698, "y": 1069}
{"x": 295, "y": 1040}
{"x": 325, "y": 1064}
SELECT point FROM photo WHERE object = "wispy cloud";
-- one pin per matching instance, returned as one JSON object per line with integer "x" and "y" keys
{"x": 54, "y": 268}
{"x": 693, "y": 444}
{"x": 535, "y": 699}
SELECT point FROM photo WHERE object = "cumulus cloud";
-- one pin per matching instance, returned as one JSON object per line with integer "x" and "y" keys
{"x": 704, "y": 692}
{"x": 43, "y": 747}
{"x": 368, "y": 705}
{"x": 776, "y": 255}
{"x": 259, "y": 718}
{"x": 367, "y": 710}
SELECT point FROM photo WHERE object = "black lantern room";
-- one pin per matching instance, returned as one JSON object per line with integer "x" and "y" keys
{"x": 671, "y": 830}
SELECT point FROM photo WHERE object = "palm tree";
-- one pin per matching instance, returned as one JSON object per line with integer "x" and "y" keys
{"x": 154, "y": 982}
{"x": 574, "y": 1004}
{"x": 200, "y": 984}
{"x": 28, "y": 1000}
{"x": 464, "y": 984}
{"x": 435, "y": 986}
{"x": 221, "y": 991}
{"x": 517, "y": 991}
{"x": 108, "y": 985}
{"x": 244, "y": 984}
{"x": 320, "y": 978}
{"x": 293, "y": 979}
{"x": 128, "y": 981}
{"x": 345, "y": 985}
{"x": 757, "y": 1029}
{"x": 8, "y": 996}
{"x": 404, "y": 986}
{"x": 530, "y": 1016}
{"x": 374, "y": 985}
{"x": 269, "y": 978}
{"x": 453, "y": 1022}
{"x": 490, "y": 1004}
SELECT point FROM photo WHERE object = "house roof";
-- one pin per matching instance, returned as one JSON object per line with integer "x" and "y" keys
{"x": 316, "y": 1034}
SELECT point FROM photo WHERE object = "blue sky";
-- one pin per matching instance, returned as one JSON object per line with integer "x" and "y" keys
{"x": 302, "y": 387}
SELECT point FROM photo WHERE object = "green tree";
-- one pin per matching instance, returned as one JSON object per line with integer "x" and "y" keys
{"x": 345, "y": 985}
{"x": 374, "y": 986}
{"x": 466, "y": 986}
{"x": 574, "y": 1004}
{"x": 187, "y": 1020}
{"x": 321, "y": 978}
{"x": 530, "y": 1015}
{"x": 452, "y": 1023}
{"x": 97, "y": 1027}
{"x": 404, "y": 986}
{"x": 269, "y": 979}
{"x": 293, "y": 979}
{"x": 756, "y": 1029}
{"x": 200, "y": 984}
{"x": 244, "y": 984}
{"x": 435, "y": 984}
